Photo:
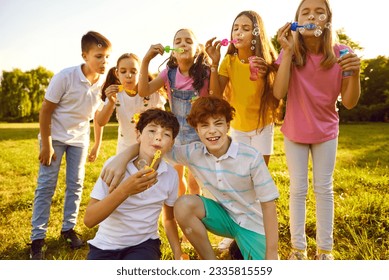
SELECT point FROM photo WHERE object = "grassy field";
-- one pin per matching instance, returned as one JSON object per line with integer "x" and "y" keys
{"x": 361, "y": 195}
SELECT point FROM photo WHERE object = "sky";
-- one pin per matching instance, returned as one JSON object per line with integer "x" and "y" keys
{"x": 48, "y": 32}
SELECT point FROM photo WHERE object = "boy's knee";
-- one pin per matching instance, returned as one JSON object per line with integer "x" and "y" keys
{"x": 185, "y": 205}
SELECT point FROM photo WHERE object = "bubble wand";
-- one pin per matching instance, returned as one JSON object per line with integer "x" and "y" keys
{"x": 157, "y": 155}
{"x": 225, "y": 42}
{"x": 168, "y": 49}
{"x": 295, "y": 25}
{"x": 128, "y": 91}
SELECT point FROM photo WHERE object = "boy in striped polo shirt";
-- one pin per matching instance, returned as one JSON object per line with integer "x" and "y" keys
{"x": 235, "y": 174}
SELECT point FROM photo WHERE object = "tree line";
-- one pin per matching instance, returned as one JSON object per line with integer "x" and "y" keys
{"x": 22, "y": 93}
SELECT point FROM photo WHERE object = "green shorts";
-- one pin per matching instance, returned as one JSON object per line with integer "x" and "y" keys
{"x": 251, "y": 244}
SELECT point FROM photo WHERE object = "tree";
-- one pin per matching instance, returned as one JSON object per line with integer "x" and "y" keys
{"x": 22, "y": 93}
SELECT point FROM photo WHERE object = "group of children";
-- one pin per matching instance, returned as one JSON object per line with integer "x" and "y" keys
{"x": 220, "y": 127}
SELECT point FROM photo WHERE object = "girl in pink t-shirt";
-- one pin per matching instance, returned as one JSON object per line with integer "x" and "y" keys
{"x": 186, "y": 77}
{"x": 310, "y": 71}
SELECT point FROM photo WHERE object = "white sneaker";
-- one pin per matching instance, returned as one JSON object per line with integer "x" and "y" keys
{"x": 324, "y": 256}
{"x": 298, "y": 255}
{"x": 225, "y": 244}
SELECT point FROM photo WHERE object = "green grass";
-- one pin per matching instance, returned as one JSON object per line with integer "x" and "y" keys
{"x": 361, "y": 185}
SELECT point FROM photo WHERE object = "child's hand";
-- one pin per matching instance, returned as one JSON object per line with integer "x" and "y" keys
{"x": 138, "y": 182}
{"x": 285, "y": 38}
{"x": 260, "y": 64}
{"x": 212, "y": 48}
{"x": 46, "y": 155}
{"x": 111, "y": 93}
{"x": 350, "y": 62}
{"x": 154, "y": 51}
{"x": 94, "y": 153}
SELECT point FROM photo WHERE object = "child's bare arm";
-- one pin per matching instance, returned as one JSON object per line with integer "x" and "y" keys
{"x": 170, "y": 225}
{"x": 113, "y": 172}
{"x": 47, "y": 152}
{"x": 98, "y": 210}
{"x": 270, "y": 222}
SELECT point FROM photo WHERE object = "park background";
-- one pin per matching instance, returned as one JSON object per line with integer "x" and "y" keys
{"x": 39, "y": 38}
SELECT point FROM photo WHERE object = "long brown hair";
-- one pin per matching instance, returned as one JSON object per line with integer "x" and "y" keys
{"x": 112, "y": 78}
{"x": 326, "y": 45}
{"x": 200, "y": 69}
{"x": 264, "y": 49}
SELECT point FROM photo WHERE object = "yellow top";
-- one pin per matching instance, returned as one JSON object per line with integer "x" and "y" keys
{"x": 243, "y": 94}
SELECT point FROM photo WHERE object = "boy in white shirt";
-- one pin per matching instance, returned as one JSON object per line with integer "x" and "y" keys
{"x": 128, "y": 215}
{"x": 71, "y": 102}
{"x": 234, "y": 173}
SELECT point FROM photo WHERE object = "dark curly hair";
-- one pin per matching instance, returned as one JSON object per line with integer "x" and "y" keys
{"x": 160, "y": 117}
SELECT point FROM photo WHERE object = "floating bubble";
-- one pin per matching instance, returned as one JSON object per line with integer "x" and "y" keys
{"x": 301, "y": 30}
{"x": 317, "y": 32}
{"x": 252, "y": 48}
{"x": 188, "y": 230}
{"x": 322, "y": 17}
{"x": 256, "y": 31}
{"x": 328, "y": 25}
{"x": 20, "y": 107}
{"x": 253, "y": 42}
{"x": 142, "y": 163}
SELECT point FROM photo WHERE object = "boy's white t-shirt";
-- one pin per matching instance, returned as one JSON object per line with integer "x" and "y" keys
{"x": 77, "y": 101}
{"x": 136, "y": 219}
{"x": 130, "y": 105}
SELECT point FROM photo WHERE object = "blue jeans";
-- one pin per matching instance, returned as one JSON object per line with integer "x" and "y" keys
{"x": 47, "y": 182}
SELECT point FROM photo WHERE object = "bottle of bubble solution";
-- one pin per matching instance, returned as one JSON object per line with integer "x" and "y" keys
{"x": 342, "y": 53}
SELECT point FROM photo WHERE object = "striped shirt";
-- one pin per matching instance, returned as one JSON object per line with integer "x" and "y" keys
{"x": 239, "y": 180}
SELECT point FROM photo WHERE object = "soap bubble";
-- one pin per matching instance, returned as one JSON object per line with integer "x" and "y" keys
{"x": 142, "y": 163}
{"x": 252, "y": 48}
{"x": 328, "y": 25}
{"x": 301, "y": 30}
{"x": 322, "y": 17}
{"x": 188, "y": 230}
{"x": 256, "y": 31}
{"x": 317, "y": 32}
{"x": 253, "y": 42}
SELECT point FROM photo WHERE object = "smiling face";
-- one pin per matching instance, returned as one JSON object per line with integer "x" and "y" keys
{"x": 128, "y": 73}
{"x": 213, "y": 133}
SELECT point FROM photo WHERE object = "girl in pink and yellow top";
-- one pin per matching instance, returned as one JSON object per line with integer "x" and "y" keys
{"x": 310, "y": 71}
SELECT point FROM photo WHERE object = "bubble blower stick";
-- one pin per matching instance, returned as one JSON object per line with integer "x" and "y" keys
{"x": 157, "y": 155}
{"x": 128, "y": 91}
{"x": 225, "y": 42}
{"x": 168, "y": 49}
{"x": 309, "y": 26}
